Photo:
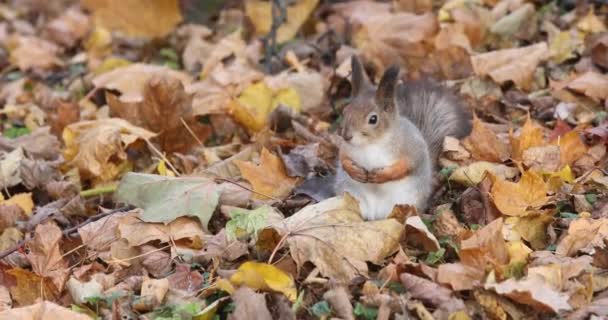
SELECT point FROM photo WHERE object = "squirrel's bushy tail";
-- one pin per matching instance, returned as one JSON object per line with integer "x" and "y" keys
{"x": 435, "y": 110}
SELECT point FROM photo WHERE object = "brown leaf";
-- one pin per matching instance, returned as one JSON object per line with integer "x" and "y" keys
{"x": 40, "y": 144}
{"x": 9, "y": 215}
{"x": 30, "y": 287}
{"x": 431, "y": 293}
{"x": 248, "y": 302}
{"x": 185, "y": 280}
{"x": 157, "y": 263}
{"x": 417, "y": 234}
{"x": 137, "y": 232}
{"x": 218, "y": 246}
{"x": 137, "y": 18}
{"x": 517, "y": 64}
{"x": 64, "y": 114}
{"x": 584, "y": 235}
{"x": 164, "y": 109}
{"x": 460, "y": 276}
{"x": 571, "y": 148}
{"x": 532, "y": 291}
{"x": 43, "y": 310}
{"x": 100, "y": 234}
{"x": 269, "y": 178}
{"x": 131, "y": 80}
{"x": 599, "y": 49}
{"x": 515, "y": 199}
{"x": 592, "y": 84}
{"x": 339, "y": 299}
{"x": 45, "y": 254}
{"x": 32, "y": 53}
{"x": 69, "y": 28}
{"x": 486, "y": 247}
{"x": 261, "y": 15}
{"x": 484, "y": 144}
{"x": 38, "y": 173}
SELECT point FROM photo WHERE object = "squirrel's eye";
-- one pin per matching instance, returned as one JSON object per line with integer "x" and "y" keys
{"x": 373, "y": 119}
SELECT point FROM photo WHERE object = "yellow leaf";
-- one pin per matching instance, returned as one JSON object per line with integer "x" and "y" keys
{"x": 459, "y": 315}
{"x": 99, "y": 42}
{"x": 484, "y": 144}
{"x": 23, "y": 200}
{"x": 289, "y": 97}
{"x": 514, "y": 199}
{"x": 110, "y": 64}
{"x": 563, "y": 45}
{"x": 162, "y": 169}
{"x": 533, "y": 228}
{"x": 531, "y": 136}
{"x": 260, "y": 14}
{"x": 269, "y": 178}
{"x": 263, "y": 276}
{"x": 137, "y": 18}
{"x": 591, "y": 23}
{"x": 225, "y": 285}
{"x": 571, "y": 147}
{"x": 555, "y": 180}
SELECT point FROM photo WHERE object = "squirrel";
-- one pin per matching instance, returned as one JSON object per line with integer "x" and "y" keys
{"x": 391, "y": 137}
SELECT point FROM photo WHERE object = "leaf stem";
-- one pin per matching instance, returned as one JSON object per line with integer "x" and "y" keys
{"x": 98, "y": 191}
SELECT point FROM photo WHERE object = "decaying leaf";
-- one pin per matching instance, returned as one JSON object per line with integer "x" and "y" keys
{"x": 164, "y": 199}
{"x": 260, "y": 14}
{"x": 43, "y": 310}
{"x": 32, "y": 53}
{"x": 533, "y": 291}
{"x": 584, "y": 235}
{"x": 484, "y": 144}
{"x": 472, "y": 174}
{"x": 592, "y": 84}
{"x": 517, "y": 64}
{"x": 486, "y": 247}
{"x": 269, "y": 178}
{"x": 265, "y": 277}
{"x": 333, "y": 236}
{"x": 247, "y": 303}
{"x": 98, "y": 147}
{"x": 138, "y": 18}
{"x": 45, "y": 254}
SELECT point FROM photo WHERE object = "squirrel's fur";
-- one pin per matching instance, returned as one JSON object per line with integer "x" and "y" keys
{"x": 413, "y": 118}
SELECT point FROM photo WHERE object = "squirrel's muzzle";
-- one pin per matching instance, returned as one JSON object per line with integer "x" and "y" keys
{"x": 346, "y": 133}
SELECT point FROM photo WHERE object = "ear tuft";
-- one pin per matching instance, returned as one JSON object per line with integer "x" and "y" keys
{"x": 385, "y": 96}
{"x": 359, "y": 79}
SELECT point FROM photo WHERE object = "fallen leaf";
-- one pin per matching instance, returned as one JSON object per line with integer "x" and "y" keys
{"x": 460, "y": 276}
{"x": 167, "y": 109}
{"x": 131, "y": 80}
{"x": 263, "y": 276}
{"x": 514, "y": 21}
{"x": 23, "y": 201}
{"x": 155, "y": 289}
{"x": 10, "y": 168}
{"x": 30, "y": 287}
{"x": 472, "y": 174}
{"x": 543, "y": 159}
{"x": 571, "y": 148}
{"x": 583, "y": 235}
{"x": 248, "y": 302}
{"x": 484, "y": 144}
{"x": 591, "y": 23}
{"x": 532, "y": 291}
{"x": 249, "y": 222}
{"x": 531, "y": 135}
{"x": 137, "y": 232}
{"x": 6, "y": 303}
{"x": 592, "y": 84}
{"x": 260, "y": 14}
{"x": 339, "y": 300}
{"x": 515, "y": 199}
{"x": 599, "y": 49}
{"x": 137, "y": 18}
{"x": 219, "y": 246}
{"x": 32, "y": 53}
{"x": 99, "y": 235}
{"x": 45, "y": 254}
{"x": 185, "y": 280}
{"x": 486, "y": 247}
{"x": 332, "y": 235}
{"x": 417, "y": 233}
{"x": 431, "y": 293}
{"x": 269, "y": 179}
{"x": 98, "y": 147}
{"x": 43, "y": 310}
{"x": 164, "y": 199}
{"x": 533, "y": 228}
{"x": 69, "y": 28}
{"x": 38, "y": 145}
{"x": 517, "y": 65}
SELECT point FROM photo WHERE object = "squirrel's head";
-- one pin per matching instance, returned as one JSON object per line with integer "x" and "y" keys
{"x": 371, "y": 112}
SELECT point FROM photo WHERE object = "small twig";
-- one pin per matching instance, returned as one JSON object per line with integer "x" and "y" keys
{"x": 191, "y": 132}
{"x": 279, "y": 16}
{"x": 278, "y": 246}
{"x": 98, "y": 191}
{"x": 162, "y": 156}
{"x": 66, "y": 232}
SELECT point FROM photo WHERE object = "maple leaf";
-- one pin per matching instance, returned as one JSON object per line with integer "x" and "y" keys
{"x": 515, "y": 199}
{"x": 484, "y": 144}
{"x": 269, "y": 178}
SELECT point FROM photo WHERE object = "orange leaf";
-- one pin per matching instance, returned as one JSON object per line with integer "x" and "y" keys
{"x": 531, "y": 136}
{"x": 484, "y": 144}
{"x": 571, "y": 148}
{"x": 269, "y": 178}
{"x": 514, "y": 199}
{"x": 31, "y": 287}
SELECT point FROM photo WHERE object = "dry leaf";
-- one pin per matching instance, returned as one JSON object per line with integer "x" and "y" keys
{"x": 533, "y": 291}
{"x": 269, "y": 178}
{"x": 43, "y": 310}
{"x": 32, "y": 53}
{"x": 517, "y": 65}
{"x": 460, "y": 276}
{"x": 263, "y": 276}
{"x": 100, "y": 234}
{"x": 417, "y": 233}
{"x": 484, "y": 144}
{"x": 30, "y": 287}
{"x": 333, "y": 236}
{"x": 571, "y": 148}
{"x": 131, "y": 80}
{"x": 531, "y": 135}
{"x": 584, "y": 235}
{"x": 69, "y": 28}
{"x": 247, "y": 303}
{"x": 260, "y": 14}
{"x": 515, "y": 199}
{"x": 138, "y": 18}
{"x": 431, "y": 293}
{"x": 98, "y": 147}
{"x": 45, "y": 254}
{"x": 23, "y": 201}
{"x": 166, "y": 108}
{"x": 486, "y": 247}
{"x": 137, "y": 232}
{"x": 592, "y": 84}
{"x": 472, "y": 174}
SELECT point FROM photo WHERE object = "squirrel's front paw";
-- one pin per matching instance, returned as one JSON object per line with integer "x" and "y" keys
{"x": 354, "y": 171}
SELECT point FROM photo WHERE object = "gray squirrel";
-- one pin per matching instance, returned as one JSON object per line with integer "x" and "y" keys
{"x": 391, "y": 137}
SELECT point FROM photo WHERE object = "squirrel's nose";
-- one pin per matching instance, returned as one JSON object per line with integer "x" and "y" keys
{"x": 347, "y": 134}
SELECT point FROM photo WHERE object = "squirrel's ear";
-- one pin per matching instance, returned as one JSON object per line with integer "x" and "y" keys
{"x": 385, "y": 96}
{"x": 359, "y": 79}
